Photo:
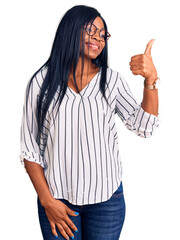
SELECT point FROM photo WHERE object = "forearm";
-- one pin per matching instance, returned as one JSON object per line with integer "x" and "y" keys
{"x": 150, "y": 101}
{"x": 36, "y": 174}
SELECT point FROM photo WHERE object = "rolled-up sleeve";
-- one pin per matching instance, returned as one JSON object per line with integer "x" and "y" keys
{"x": 29, "y": 148}
{"x": 131, "y": 113}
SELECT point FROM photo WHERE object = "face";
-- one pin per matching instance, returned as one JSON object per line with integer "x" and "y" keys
{"x": 95, "y": 39}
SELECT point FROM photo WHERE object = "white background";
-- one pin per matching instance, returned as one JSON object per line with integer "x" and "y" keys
{"x": 151, "y": 168}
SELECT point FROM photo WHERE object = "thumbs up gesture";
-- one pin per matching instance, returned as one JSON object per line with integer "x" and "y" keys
{"x": 142, "y": 64}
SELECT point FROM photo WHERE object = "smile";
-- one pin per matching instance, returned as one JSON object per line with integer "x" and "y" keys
{"x": 93, "y": 46}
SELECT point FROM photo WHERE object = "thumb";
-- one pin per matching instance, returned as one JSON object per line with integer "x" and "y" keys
{"x": 149, "y": 46}
{"x": 71, "y": 212}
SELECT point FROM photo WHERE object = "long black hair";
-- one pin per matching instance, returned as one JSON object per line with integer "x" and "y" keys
{"x": 65, "y": 53}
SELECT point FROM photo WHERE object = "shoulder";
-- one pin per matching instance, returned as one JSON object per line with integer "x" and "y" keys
{"x": 39, "y": 77}
{"x": 117, "y": 80}
{"x": 36, "y": 81}
{"x": 113, "y": 73}
{"x": 114, "y": 77}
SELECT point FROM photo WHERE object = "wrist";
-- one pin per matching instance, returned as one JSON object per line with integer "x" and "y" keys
{"x": 153, "y": 86}
{"x": 150, "y": 80}
{"x": 45, "y": 201}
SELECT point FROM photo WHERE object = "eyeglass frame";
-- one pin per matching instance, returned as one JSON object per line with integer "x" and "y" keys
{"x": 85, "y": 28}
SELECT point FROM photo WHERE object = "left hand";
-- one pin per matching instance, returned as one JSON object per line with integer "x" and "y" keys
{"x": 142, "y": 64}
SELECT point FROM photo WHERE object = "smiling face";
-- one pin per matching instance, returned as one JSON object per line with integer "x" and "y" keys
{"x": 96, "y": 44}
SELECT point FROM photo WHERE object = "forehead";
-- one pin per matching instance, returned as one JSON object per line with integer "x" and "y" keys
{"x": 98, "y": 22}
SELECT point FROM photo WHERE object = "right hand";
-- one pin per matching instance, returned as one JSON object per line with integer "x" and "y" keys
{"x": 57, "y": 214}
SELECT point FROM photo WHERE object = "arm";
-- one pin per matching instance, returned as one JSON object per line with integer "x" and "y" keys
{"x": 134, "y": 117}
{"x": 36, "y": 174}
{"x": 150, "y": 101}
{"x": 30, "y": 148}
{"x": 142, "y": 64}
{"x": 31, "y": 156}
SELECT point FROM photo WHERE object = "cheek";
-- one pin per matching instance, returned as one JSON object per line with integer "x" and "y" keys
{"x": 102, "y": 47}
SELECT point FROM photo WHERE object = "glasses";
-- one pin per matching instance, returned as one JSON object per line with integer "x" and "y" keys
{"x": 91, "y": 30}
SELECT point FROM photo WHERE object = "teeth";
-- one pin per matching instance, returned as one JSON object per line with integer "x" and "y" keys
{"x": 94, "y": 45}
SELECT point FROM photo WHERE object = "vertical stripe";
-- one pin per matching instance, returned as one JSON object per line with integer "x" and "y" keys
{"x": 78, "y": 148}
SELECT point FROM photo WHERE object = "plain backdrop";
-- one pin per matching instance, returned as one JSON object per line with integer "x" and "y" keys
{"x": 151, "y": 169}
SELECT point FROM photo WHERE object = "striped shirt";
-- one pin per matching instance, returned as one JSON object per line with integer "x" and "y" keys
{"x": 78, "y": 149}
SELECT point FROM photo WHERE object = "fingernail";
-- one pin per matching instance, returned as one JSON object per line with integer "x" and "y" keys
{"x": 72, "y": 237}
{"x": 76, "y": 213}
{"x": 56, "y": 236}
{"x": 76, "y": 231}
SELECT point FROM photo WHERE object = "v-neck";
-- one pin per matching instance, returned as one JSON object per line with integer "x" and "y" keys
{"x": 87, "y": 85}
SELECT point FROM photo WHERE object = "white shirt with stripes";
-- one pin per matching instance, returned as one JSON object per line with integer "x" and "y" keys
{"x": 78, "y": 148}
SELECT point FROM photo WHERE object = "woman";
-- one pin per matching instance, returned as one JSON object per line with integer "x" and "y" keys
{"x": 70, "y": 149}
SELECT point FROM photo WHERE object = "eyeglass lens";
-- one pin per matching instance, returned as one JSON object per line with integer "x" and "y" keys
{"x": 91, "y": 30}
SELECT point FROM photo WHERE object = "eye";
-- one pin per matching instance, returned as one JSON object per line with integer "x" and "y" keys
{"x": 102, "y": 35}
{"x": 88, "y": 26}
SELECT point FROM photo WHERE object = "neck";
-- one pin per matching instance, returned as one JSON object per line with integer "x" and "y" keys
{"x": 89, "y": 67}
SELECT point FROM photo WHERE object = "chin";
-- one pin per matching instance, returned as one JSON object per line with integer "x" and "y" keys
{"x": 91, "y": 55}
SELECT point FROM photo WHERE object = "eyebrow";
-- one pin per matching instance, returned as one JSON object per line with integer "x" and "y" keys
{"x": 96, "y": 26}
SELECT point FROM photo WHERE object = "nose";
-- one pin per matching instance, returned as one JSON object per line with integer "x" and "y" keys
{"x": 97, "y": 35}
{"x": 98, "y": 39}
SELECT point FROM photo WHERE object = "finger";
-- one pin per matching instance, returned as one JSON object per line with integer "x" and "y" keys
{"x": 135, "y": 68}
{"x": 137, "y": 72}
{"x": 149, "y": 46}
{"x": 137, "y": 62}
{"x": 53, "y": 228}
{"x": 62, "y": 230}
{"x": 70, "y": 223}
{"x": 141, "y": 68}
{"x": 67, "y": 219}
{"x": 139, "y": 56}
{"x": 71, "y": 212}
{"x": 67, "y": 229}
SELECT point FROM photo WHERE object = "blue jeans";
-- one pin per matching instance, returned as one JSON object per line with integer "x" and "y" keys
{"x": 100, "y": 221}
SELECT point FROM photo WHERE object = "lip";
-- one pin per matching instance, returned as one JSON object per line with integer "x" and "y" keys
{"x": 95, "y": 44}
